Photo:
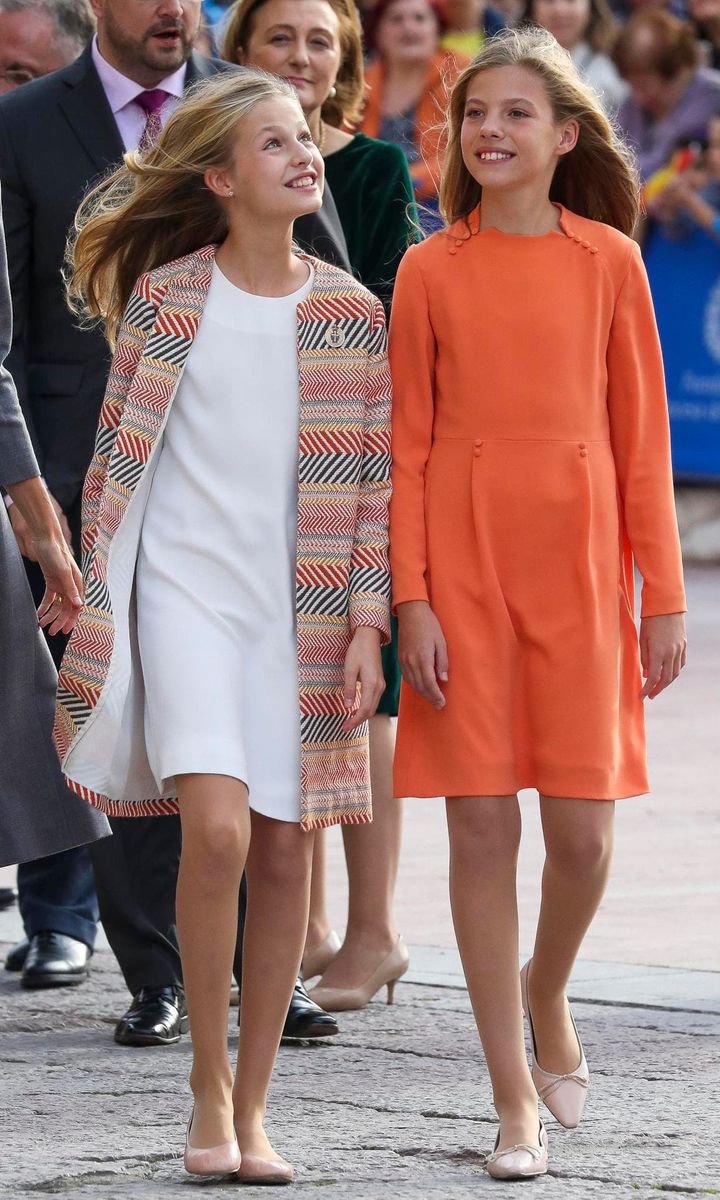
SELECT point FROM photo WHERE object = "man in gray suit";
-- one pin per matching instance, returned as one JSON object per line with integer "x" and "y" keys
{"x": 57, "y": 136}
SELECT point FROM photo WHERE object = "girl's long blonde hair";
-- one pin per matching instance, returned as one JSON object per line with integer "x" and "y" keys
{"x": 597, "y": 179}
{"x": 157, "y": 208}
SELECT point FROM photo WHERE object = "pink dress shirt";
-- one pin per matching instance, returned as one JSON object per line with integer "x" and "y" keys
{"x": 121, "y": 93}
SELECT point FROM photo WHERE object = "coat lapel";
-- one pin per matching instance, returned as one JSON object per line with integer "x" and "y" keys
{"x": 159, "y": 370}
{"x": 330, "y": 329}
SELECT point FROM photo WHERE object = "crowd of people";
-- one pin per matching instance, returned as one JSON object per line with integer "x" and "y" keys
{"x": 654, "y": 67}
{"x": 211, "y": 212}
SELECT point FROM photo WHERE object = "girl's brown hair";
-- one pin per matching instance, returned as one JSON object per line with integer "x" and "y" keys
{"x": 157, "y": 208}
{"x": 597, "y": 179}
{"x": 345, "y": 107}
{"x": 601, "y": 30}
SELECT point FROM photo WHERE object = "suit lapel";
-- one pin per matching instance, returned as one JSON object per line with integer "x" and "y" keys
{"x": 199, "y": 67}
{"x": 89, "y": 115}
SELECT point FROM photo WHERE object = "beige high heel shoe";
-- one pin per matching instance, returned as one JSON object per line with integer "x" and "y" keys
{"x": 317, "y": 960}
{"x": 519, "y": 1162}
{"x": 215, "y": 1160}
{"x": 392, "y": 968}
{"x": 267, "y": 1171}
{"x": 563, "y": 1095}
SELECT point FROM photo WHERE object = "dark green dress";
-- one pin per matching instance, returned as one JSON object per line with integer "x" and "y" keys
{"x": 373, "y": 192}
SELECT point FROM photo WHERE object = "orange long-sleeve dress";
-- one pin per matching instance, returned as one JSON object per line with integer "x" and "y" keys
{"x": 531, "y": 465}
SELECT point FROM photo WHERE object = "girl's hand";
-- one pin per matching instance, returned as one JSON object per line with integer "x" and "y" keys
{"x": 422, "y": 650}
{"x": 663, "y": 651}
{"x": 363, "y": 665}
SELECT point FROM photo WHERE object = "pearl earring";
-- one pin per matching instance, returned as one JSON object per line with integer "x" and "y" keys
{"x": 332, "y": 93}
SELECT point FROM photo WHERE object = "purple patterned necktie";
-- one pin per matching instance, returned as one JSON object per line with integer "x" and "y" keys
{"x": 150, "y": 102}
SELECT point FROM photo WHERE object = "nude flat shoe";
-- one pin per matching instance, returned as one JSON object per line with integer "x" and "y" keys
{"x": 563, "y": 1095}
{"x": 318, "y": 959}
{"x": 268, "y": 1172}
{"x": 215, "y": 1160}
{"x": 392, "y": 968}
{"x": 519, "y": 1162}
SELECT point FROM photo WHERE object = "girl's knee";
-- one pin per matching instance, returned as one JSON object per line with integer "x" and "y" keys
{"x": 281, "y": 853}
{"x": 484, "y": 829}
{"x": 580, "y": 851}
{"x": 219, "y": 843}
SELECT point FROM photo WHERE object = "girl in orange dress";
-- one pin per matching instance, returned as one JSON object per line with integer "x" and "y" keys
{"x": 532, "y": 468}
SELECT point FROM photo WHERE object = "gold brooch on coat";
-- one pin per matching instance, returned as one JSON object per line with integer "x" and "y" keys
{"x": 334, "y": 336}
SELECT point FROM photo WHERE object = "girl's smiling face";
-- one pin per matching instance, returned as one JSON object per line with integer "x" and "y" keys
{"x": 509, "y": 136}
{"x": 276, "y": 170}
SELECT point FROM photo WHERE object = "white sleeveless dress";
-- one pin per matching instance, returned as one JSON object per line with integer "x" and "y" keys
{"x": 216, "y": 566}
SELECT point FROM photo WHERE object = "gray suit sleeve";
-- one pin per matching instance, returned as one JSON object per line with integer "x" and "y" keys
{"x": 17, "y": 460}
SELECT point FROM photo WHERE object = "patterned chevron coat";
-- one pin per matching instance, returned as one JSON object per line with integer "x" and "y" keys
{"x": 342, "y": 575}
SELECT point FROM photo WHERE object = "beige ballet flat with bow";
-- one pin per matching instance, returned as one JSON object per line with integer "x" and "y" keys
{"x": 318, "y": 959}
{"x": 392, "y": 968}
{"x": 563, "y": 1095}
{"x": 519, "y": 1162}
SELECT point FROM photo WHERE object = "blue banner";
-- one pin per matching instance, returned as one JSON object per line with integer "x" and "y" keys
{"x": 685, "y": 282}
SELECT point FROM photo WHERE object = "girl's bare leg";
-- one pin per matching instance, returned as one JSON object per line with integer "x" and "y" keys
{"x": 318, "y": 921}
{"x": 578, "y": 845}
{"x": 372, "y": 853}
{"x": 484, "y": 841}
{"x": 215, "y": 835}
{"x": 278, "y": 880}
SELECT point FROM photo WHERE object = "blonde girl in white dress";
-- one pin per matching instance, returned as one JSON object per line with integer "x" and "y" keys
{"x": 213, "y": 623}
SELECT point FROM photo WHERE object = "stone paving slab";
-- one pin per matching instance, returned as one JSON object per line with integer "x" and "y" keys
{"x": 596, "y": 982}
{"x": 398, "y": 1105}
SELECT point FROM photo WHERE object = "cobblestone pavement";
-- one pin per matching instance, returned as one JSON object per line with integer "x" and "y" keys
{"x": 398, "y": 1105}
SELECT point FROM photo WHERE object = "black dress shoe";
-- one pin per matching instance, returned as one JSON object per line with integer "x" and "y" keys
{"x": 15, "y": 960}
{"x": 158, "y": 1016}
{"x": 306, "y": 1019}
{"x": 55, "y": 960}
{"x": 8, "y": 896}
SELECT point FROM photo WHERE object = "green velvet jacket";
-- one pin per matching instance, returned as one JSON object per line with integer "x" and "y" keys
{"x": 373, "y": 193}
